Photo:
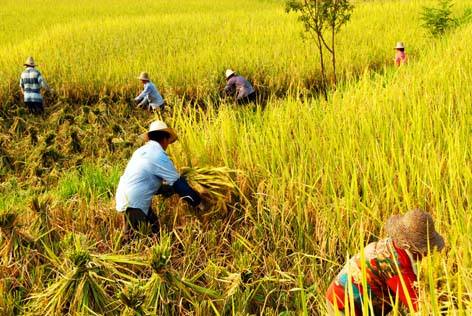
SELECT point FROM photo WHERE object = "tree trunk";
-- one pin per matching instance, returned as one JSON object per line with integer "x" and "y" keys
{"x": 323, "y": 71}
{"x": 333, "y": 56}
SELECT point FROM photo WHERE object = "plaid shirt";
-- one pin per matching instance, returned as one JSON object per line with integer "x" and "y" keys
{"x": 31, "y": 82}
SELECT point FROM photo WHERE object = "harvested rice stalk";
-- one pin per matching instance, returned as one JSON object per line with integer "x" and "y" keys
{"x": 83, "y": 282}
{"x": 15, "y": 243}
{"x": 133, "y": 296}
{"x": 216, "y": 183}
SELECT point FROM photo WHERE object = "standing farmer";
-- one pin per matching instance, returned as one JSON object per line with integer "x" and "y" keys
{"x": 31, "y": 83}
{"x": 145, "y": 173}
{"x": 400, "y": 55}
{"x": 389, "y": 264}
{"x": 239, "y": 87}
{"x": 150, "y": 97}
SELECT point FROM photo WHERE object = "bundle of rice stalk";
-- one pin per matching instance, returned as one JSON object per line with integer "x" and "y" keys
{"x": 132, "y": 296}
{"x": 15, "y": 243}
{"x": 165, "y": 286}
{"x": 79, "y": 288}
{"x": 216, "y": 183}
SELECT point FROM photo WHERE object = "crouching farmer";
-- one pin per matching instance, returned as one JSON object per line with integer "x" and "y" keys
{"x": 149, "y": 98}
{"x": 144, "y": 175}
{"x": 390, "y": 268}
{"x": 238, "y": 87}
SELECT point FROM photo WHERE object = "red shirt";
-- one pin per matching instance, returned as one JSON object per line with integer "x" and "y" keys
{"x": 386, "y": 266}
{"x": 400, "y": 58}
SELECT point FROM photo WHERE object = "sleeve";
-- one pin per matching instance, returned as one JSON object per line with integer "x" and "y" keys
{"x": 143, "y": 94}
{"x": 183, "y": 189}
{"x": 230, "y": 85}
{"x": 402, "y": 285}
{"x": 43, "y": 82}
{"x": 165, "y": 170}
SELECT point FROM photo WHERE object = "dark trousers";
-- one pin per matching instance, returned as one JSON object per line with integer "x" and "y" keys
{"x": 137, "y": 221}
{"x": 246, "y": 100}
{"x": 35, "y": 107}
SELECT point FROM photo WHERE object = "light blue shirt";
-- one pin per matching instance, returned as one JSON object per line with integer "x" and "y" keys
{"x": 143, "y": 176}
{"x": 150, "y": 95}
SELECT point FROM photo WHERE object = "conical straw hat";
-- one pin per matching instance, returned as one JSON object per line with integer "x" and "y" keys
{"x": 414, "y": 230}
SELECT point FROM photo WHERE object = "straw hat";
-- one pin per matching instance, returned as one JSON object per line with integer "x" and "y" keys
{"x": 229, "y": 73}
{"x": 400, "y": 45}
{"x": 29, "y": 62}
{"x": 160, "y": 126}
{"x": 414, "y": 230}
{"x": 144, "y": 76}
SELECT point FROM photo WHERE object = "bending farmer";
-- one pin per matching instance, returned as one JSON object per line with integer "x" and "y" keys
{"x": 149, "y": 98}
{"x": 389, "y": 265}
{"x": 239, "y": 87}
{"x": 145, "y": 173}
{"x": 31, "y": 83}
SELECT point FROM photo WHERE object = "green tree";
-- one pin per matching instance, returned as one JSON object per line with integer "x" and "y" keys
{"x": 437, "y": 21}
{"x": 320, "y": 17}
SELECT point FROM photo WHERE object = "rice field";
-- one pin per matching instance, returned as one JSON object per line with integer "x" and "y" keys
{"x": 309, "y": 183}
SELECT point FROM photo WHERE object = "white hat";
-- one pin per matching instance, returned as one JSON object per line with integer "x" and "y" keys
{"x": 400, "y": 45}
{"x": 229, "y": 73}
{"x": 160, "y": 126}
{"x": 29, "y": 62}
{"x": 144, "y": 76}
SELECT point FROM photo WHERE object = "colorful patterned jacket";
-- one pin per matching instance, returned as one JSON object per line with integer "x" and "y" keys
{"x": 390, "y": 273}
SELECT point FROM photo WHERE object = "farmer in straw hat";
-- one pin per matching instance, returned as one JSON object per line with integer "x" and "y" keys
{"x": 31, "y": 82}
{"x": 400, "y": 55}
{"x": 148, "y": 169}
{"x": 390, "y": 267}
{"x": 150, "y": 97}
{"x": 239, "y": 87}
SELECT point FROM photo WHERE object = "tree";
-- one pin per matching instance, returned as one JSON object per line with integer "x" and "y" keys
{"x": 437, "y": 21}
{"x": 318, "y": 17}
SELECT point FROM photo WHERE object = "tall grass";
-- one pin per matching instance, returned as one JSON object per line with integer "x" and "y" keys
{"x": 186, "y": 45}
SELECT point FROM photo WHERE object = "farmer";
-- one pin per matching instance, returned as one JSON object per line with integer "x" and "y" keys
{"x": 150, "y": 98}
{"x": 390, "y": 267}
{"x": 400, "y": 55}
{"x": 239, "y": 87}
{"x": 148, "y": 169}
{"x": 31, "y": 83}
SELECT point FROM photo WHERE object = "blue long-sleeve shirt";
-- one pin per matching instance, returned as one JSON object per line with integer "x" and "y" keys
{"x": 150, "y": 95}
{"x": 143, "y": 177}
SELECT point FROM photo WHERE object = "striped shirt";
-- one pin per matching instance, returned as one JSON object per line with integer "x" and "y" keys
{"x": 31, "y": 82}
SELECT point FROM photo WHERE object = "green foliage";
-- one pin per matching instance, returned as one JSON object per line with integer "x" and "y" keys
{"x": 318, "y": 16}
{"x": 437, "y": 21}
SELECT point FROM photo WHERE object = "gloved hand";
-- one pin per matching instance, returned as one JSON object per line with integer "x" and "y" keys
{"x": 165, "y": 190}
